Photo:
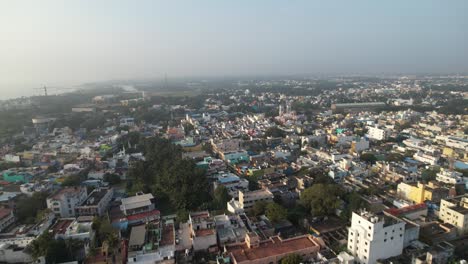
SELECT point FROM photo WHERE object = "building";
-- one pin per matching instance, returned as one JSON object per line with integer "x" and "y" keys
{"x": 272, "y": 250}
{"x": 6, "y": 218}
{"x": 127, "y": 121}
{"x": 71, "y": 228}
{"x": 140, "y": 203}
{"x": 377, "y": 133}
{"x": 64, "y": 202}
{"x": 232, "y": 182}
{"x": 454, "y": 211}
{"x": 372, "y": 237}
{"x": 202, "y": 231}
{"x": 420, "y": 192}
{"x": 16, "y": 176}
{"x": 356, "y": 107}
{"x": 96, "y": 203}
{"x": 449, "y": 177}
{"x": 248, "y": 199}
{"x": 153, "y": 242}
{"x": 426, "y": 158}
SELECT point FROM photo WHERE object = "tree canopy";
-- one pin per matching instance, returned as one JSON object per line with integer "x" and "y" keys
{"x": 292, "y": 259}
{"x": 321, "y": 199}
{"x": 167, "y": 175}
{"x": 276, "y": 212}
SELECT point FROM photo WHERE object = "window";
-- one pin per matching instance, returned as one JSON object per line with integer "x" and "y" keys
{"x": 401, "y": 235}
{"x": 368, "y": 234}
{"x": 391, "y": 238}
{"x": 365, "y": 243}
{"x": 370, "y": 227}
{"x": 385, "y": 233}
{"x": 385, "y": 240}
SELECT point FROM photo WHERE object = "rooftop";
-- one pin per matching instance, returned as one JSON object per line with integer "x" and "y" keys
{"x": 137, "y": 236}
{"x": 95, "y": 197}
{"x": 272, "y": 247}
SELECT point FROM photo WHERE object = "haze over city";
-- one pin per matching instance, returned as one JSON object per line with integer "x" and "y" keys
{"x": 73, "y": 42}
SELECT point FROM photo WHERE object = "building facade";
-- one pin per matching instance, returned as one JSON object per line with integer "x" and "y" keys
{"x": 373, "y": 237}
{"x": 64, "y": 202}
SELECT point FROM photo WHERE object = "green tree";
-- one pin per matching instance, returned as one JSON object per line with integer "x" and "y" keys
{"x": 430, "y": 174}
{"x": 274, "y": 132}
{"x": 54, "y": 251}
{"x": 166, "y": 174}
{"x": 321, "y": 199}
{"x": 112, "y": 179}
{"x": 221, "y": 197}
{"x": 396, "y": 157}
{"x": 27, "y": 208}
{"x": 369, "y": 158}
{"x": 292, "y": 259}
{"x": 259, "y": 208}
{"x": 276, "y": 212}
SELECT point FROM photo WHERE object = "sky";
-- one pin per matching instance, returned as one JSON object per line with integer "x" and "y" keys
{"x": 56, "y": 42}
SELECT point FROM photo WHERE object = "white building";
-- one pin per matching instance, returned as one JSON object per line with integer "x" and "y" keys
{"x": 450, "y": 177}
{"x": 360, "y": 144}
{"x": 127, "y": 121}
{"x": 64, "y": 202}
{"x": 426, "y": 158}
{"x": 376, "y": 133}
{"x": 455, "y": 212}
{"x": 248, "y": 199}
{"x": 140, "y": 203}
{"x": 373, "y": 237}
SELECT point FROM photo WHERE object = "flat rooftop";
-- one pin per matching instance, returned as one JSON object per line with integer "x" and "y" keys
{"x": 95, "y": 197}
{"x": 273, "y": 247}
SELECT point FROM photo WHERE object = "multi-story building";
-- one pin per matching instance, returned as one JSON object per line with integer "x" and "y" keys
{"x": 376, "y": 133}
{"x": 426, "y": 158}
{"x": 450, "y": 177}
{"x": 454, "y": 211}
{"x": 232, "y": 182}
{"x": 248, "y": 199}
{"x": 420, "y": 192}
{"x": 372, "y": 237}
{"x": 96, "y": 203}
{"x": 140, "y": 203}
{"x": 64, "y": 202}
{"x": 203, "y": 232}
{"x": 6, "y": 218}
{"x": 153, "y": 242}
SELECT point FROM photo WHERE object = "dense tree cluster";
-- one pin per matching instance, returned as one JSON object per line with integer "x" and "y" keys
{"x": 321, "y": 199}
{"x": 28, "y": 208}
{"x": 168, "y": 176}
{"x": 54, "y": 250}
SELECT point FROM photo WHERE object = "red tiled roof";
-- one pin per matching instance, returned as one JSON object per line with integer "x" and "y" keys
{"x": 4, "y": 212}
{"x": 407, "y": 209}
{"x": 143, "y": 215}
{"x": 273, "y": 247}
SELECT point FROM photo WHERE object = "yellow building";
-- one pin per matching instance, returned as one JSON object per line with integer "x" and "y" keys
{"x": 448, "y": 152}
{"x": 418, "y": 193}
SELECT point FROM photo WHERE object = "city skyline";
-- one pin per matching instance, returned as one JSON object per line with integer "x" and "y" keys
{"x": 53, "y": 43}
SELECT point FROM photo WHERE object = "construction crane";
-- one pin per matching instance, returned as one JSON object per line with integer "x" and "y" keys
{"x": 47, "y": 89}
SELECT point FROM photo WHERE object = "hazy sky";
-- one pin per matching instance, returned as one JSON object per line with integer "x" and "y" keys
{"x": 67, "y": 41}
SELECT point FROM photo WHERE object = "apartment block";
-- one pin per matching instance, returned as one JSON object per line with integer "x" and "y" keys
{"x": 372, "y": 237}
{"x": 248, "y": 199}
{"x": 454, "y": 211}
{"x": 64, "y": 202}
